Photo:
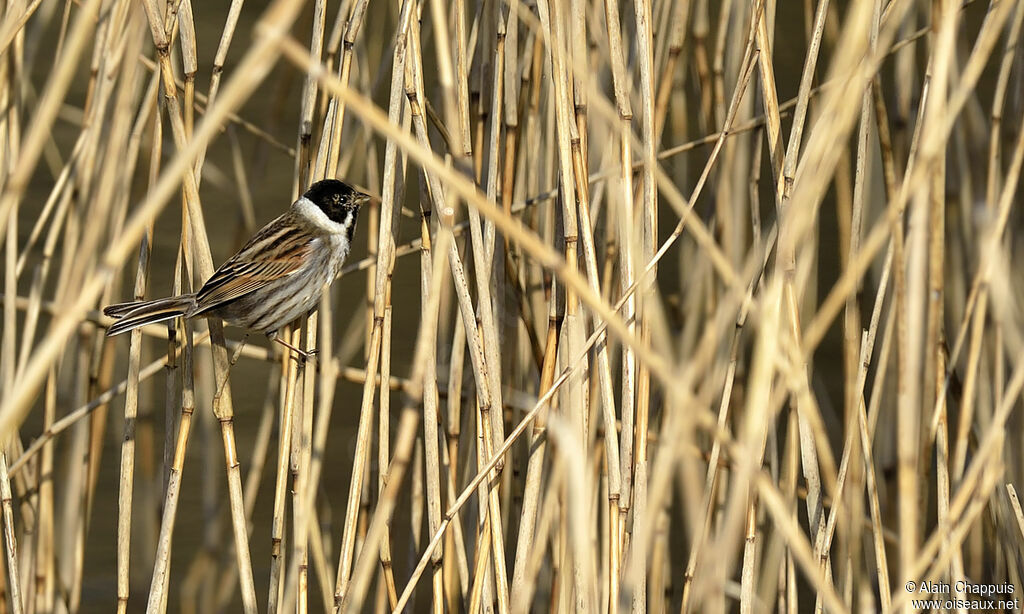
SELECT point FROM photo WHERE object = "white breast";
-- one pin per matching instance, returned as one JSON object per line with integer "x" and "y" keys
{"x": 339, "y": 251}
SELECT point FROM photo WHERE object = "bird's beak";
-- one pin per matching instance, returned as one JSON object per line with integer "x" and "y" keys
{"x": 368, "y": 198}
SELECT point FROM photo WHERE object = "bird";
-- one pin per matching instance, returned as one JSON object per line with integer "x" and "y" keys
{"x": 275, "y": 278}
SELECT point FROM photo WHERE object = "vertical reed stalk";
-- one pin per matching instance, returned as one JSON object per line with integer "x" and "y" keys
{"x": 654, "y": 411}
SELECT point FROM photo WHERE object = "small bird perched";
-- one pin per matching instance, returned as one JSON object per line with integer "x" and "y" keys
{"x": 278, "y": 275}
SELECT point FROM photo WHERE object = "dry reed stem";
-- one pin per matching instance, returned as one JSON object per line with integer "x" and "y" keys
{"x": 477, "y": 337}
{"x": 526, "y": 114}
{"x": 424, "y": 347}
{"x": 300, "y": 473}
{"x": 204, "y": 264}
{"x": 431, "y": 417}
{"x": 385, "y": 261}
{"x": 32, "y": 144}
{"x": 158, "y": 588}
{"x": 467, "y": 492}
{"x": 10, "y": 541}
{"x": 286, "y": 423}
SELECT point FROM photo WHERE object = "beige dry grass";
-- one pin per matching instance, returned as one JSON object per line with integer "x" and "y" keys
{"x": 715, "y": 306}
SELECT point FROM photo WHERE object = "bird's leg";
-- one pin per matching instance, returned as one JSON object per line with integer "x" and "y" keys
{"x": 231, "y": 364}
{"x": 304, "y": 354}
{"x": 238, "y": 350}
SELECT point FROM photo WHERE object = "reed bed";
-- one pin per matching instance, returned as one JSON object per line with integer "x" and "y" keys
{"x": 715, "y": 307}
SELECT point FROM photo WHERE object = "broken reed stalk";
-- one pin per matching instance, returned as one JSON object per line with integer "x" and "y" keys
{"x": 656, "y": 474}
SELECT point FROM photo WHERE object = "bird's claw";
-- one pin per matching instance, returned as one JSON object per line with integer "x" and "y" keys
{"x": 306, "y": 355}
{"x": 303, "y": 355}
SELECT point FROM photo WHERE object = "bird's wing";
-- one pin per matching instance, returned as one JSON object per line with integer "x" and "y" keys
{"x": 280, "y": 249}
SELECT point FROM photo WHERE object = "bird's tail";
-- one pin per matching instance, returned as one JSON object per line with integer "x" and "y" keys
{"x": 139, "y": 313}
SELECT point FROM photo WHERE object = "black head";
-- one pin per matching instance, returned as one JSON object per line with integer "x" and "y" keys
{"x": 337, "y": 199}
